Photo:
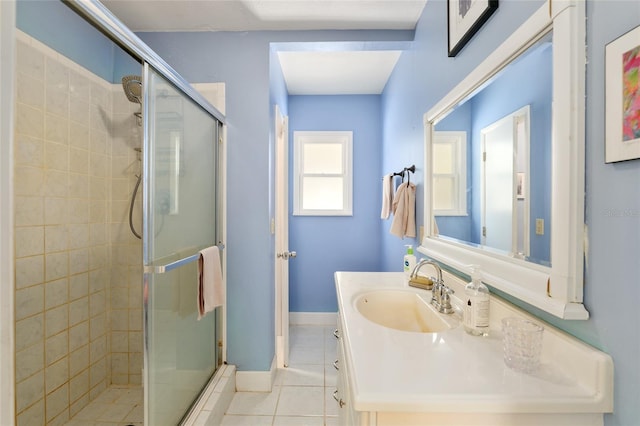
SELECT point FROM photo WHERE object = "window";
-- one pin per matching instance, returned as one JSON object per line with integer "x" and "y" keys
{"x": 450, "y": 174}
{"x": 322, "y": 182}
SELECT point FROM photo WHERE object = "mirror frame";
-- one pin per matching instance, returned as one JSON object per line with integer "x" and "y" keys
{"x": 557, "y": 289}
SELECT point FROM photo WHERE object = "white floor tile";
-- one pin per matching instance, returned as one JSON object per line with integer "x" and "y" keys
{"x": 237, "y": 420}
{"x": 254, "y": 403}
{"x": 298, "y": 421}
{"x": 301, "y": 401}
{"x": 303, "y": 375}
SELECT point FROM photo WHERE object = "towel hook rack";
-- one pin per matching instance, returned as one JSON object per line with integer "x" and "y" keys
{"x": 411, "y": 169}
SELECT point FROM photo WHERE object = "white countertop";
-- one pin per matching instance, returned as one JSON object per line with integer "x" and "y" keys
{"x": 451, "y": 371}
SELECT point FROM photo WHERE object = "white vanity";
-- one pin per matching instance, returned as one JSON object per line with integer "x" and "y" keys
{"x": 388, "y": 376}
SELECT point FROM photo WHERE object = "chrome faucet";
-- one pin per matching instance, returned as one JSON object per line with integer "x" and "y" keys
{"x": 440, "y": 293}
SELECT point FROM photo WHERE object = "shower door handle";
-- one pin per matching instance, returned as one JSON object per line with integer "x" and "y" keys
{"x": 287, "y": 254}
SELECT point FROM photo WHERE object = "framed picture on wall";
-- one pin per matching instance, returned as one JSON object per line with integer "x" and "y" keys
{"x": 465, "y": 17}
{"x": 622, "y": 98}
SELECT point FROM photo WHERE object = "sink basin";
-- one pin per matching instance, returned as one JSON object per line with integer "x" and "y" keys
{"x": 402, "y": 310}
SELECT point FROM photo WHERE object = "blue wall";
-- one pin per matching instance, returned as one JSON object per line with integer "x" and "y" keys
{"x": 504, "y": 96}
{"x": 80, "y": 41}
{"x": 612, "y": 288}
{"x": 326, "y": 244}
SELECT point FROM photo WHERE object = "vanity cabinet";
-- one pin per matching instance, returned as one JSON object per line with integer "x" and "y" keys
{"x": 389, "y": 377}
{"x": 342, "y": 394}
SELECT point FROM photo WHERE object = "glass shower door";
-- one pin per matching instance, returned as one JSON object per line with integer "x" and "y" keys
{"x": 180, "y": 218}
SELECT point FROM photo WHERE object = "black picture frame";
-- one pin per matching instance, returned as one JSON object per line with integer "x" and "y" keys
{"x": 464, "y": 19}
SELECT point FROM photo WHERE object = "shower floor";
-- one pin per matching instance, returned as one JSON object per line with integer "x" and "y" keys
{"x": 116, "y": 406}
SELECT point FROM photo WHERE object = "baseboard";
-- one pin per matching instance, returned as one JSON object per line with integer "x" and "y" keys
{"x": 256, "y": 381}
{"x": 313, "y": 318}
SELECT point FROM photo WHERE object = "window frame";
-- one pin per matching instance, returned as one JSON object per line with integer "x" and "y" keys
{"x": 343, "y": 138}
{"x": 459, "y": 141}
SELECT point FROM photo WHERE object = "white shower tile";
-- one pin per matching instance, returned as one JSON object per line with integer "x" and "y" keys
{"x": 31, "y": 181}
{"x": 56, "y": 374}
{"x": 30, "y": 90}
{"x": 29, "y": 151}
{"x": 78, "y": 284}
{"x": 56, "y": 129}
{"x": 56, "y": 270}
{"x": 56, "y": 347}
{"x": 79, "y": 362}
{"x": 57, "y": 402}
{"x": 79, "y": 335}
{"x": 33, "y": 415}
{"x": 29, "y": 361}
{"x": 56, "y": 292}
{"x": 56, "y": 320}
{"x": 29, "y": 121}
{"x": 78, "y": 262}
{"x": 78, "y": 210}
{"x": 55, "y": 238}
{"x": 79, "y": 131}
{"x": 79, "y": 385}
{"x": 29, "y": 211}
{"x": 56, "y": 183}
{"x": 55, "y": 210}
{"x": 78, "y": 185}
{"x": 30, "y": 60}
{"x": 78, "y": 160}
{"x": 29, "y": 271}
{"x": 29, "y": 241}
{"x": 29, "y": 391}
{"x": 78, "y": 311}
{"x": 29, "y": 301}
{"x": 29, "y": 331}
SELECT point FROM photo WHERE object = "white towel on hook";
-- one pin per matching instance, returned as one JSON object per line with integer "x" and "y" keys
{"x": 210, "y": 290}
{"x": 404, "y": 211}
{"x": 387, "y": 196}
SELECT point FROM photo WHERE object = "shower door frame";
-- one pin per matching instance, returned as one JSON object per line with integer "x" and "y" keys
{"x": 99, "y": 16}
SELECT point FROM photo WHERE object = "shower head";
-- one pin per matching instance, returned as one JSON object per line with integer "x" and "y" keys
{"x": 132, "y": 85}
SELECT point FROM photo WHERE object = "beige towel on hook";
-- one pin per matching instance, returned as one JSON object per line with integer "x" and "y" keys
{"x": 210, "y": 291}
{"x": 404, "y": 211}
{"x": 387, "y": 196}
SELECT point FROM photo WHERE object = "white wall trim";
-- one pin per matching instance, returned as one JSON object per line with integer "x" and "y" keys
{"x": 7, "y": 338}
{"x": 256, "y": 381}
{"x": 313, "y": 318}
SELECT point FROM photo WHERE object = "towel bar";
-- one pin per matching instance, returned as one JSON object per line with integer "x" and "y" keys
{"x": 161, "y": 269}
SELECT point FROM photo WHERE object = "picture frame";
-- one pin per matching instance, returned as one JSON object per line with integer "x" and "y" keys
{"x": 464, "y": 19}
{"x": 622, "y": 97}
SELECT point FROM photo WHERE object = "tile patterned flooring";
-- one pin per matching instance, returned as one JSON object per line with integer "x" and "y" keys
{"x": 302, "y": 394}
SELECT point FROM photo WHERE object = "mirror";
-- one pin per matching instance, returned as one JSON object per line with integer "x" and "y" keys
{"x": 538, "y": 185}
{"x": 491, "y": 157}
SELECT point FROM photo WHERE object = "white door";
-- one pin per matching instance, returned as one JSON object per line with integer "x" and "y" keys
{"x": 498, "y": 185}
{"x": 281, "y": 229}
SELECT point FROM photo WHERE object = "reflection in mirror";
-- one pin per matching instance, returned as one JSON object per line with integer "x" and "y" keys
{"x": 492, "y": 161}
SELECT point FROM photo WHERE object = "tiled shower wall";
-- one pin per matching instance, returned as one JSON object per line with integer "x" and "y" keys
{"x": 78, "y": 318}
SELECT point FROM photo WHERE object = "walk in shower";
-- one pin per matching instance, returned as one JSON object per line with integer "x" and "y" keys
{"x": 109, "y": 143}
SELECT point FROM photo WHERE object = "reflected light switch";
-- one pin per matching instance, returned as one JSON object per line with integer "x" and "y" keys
{"x": 539, "y": 226}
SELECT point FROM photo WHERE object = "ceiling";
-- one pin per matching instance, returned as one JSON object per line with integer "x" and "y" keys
{"x": 305, "y": 72}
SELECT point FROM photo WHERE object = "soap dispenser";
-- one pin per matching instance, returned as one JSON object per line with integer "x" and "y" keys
{"x": 476, "y": 305}
{"x": 409, "y": 262}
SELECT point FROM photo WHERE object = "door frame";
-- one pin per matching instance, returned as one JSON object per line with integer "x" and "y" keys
{"x": 280, "y": 228}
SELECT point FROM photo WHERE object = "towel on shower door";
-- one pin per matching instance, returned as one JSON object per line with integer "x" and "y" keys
{"x": 210, "y": 291}
{"x": 387, "y": 196}
{"x": 404, "y": 211}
